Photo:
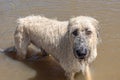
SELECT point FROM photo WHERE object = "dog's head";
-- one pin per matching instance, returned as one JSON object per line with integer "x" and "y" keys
{"x": 83, "y": 34}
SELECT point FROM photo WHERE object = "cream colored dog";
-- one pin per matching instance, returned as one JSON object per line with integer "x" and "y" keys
{"x": 72, "y": 43}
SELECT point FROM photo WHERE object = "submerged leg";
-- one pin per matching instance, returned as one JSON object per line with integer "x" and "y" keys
{"x": 69, "y": 75}
{"x": 44, "y": 53}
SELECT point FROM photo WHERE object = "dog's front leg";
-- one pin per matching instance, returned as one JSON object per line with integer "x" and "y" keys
{"x": 87, "y": 73}
{"x": 70, "y": 75}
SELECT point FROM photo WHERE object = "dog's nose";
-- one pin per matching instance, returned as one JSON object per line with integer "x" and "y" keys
{"x": 81, "y": 53}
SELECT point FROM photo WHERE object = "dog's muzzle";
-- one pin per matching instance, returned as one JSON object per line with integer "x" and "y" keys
{"x": 81, "y": 53}
{"x": 81, "y": 49}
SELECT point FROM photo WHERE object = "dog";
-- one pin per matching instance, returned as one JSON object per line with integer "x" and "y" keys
{"x": 72, "y": 43}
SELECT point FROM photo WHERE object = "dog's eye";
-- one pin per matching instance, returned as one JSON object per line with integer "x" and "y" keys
{"x": 88, "y": 32}
{"x": 75, "y": 32}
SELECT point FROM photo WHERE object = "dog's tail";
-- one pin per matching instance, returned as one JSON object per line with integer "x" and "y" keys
{"x": 11, "y": 49}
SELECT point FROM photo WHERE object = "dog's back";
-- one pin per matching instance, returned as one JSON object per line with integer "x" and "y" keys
{"x": 42, "y": 32}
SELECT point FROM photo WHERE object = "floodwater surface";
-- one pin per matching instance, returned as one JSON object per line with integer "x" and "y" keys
{"x": 105, "y": 67}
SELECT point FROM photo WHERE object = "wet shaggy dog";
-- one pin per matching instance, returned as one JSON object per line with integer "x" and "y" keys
{"x": 72, "y": 43}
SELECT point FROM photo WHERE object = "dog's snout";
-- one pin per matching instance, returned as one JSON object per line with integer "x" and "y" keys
{"x": 81, "y": 53}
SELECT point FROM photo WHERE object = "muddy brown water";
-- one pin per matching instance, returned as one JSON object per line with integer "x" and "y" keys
{"x": 105, "y": 67}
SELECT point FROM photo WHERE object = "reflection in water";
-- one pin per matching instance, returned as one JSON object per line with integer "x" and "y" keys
{"x": 106, "y": 66}
{"x": 13, "y": 70}
{"x": 44, "y": 69}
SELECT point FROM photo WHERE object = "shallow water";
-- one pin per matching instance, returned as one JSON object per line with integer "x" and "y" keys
{"x": 105, "y": 67}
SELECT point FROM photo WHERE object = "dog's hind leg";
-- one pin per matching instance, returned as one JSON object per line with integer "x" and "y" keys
{"x": 21, "y": 42}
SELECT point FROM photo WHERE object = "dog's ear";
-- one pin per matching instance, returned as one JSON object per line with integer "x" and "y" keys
{"x": 97, "y": 27}
{"x": 71, "y": 26}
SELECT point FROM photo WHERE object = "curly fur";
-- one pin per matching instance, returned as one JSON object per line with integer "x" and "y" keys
{"x": 53, "y": 37}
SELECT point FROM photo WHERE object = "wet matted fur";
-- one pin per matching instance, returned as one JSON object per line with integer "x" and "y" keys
{"x": 59, "y": 39}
